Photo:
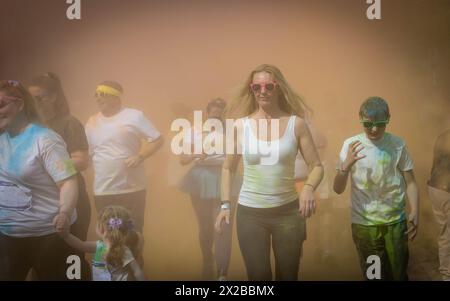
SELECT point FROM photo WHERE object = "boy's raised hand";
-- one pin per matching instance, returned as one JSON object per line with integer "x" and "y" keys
{"x": 353, "y": 154}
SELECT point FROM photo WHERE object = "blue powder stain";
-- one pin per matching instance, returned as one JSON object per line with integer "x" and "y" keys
{"x": 22, "y": 145}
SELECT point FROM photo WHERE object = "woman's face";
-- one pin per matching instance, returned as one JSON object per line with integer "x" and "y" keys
{"x": 45, "y": 102}
{"x": 10, "y": 108}
{"x": 264, "y": 89}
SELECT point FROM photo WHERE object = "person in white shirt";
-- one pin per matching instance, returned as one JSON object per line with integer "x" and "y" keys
{"x": 38, "y": 191}
{"x": 382, "y": 178}
{"x": 120, "y": 139}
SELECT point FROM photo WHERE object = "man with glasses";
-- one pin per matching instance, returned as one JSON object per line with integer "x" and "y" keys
{"x": 120, "y": 139}
{"x": 382, "y": 177}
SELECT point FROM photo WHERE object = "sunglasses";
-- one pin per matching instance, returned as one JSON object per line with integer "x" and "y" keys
{"x": 378, "y": 124}
{"x": 258, "y": 87}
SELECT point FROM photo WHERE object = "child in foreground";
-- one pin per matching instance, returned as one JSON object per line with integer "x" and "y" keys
{"x": 119, "y": 250}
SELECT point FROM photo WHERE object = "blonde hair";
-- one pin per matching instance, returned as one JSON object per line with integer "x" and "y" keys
{"x": 119, "y": 232}
{"x": 244, "y": 103}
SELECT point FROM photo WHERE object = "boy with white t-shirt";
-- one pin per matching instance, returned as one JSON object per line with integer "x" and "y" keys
{"x": 120, "y": 139}
{"x": 382, "y": 177}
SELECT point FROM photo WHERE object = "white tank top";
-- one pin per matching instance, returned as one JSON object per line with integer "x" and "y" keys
{"x": 269, "y": 179}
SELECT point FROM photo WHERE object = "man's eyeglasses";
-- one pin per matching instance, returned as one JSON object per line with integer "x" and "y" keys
{"x": 267, "y": 86}
{"x": 103, "y": 94}
{"x": 371, "y": 124}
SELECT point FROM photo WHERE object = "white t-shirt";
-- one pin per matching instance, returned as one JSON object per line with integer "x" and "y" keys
{"x": 378, "y": 188}
{"x": 31, "y": 164}
{"x": 111, "y": 141}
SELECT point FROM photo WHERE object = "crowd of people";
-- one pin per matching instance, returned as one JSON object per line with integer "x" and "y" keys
{"x": 45, "y": 210}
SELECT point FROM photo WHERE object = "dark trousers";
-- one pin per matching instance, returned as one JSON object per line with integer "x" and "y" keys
{"x": 47, "y": 256}
{"x": 389, "y": 243}
{"x": 133, "y": 201}
{"x": 281, "y": 228}
{"x": 206, "y": 212}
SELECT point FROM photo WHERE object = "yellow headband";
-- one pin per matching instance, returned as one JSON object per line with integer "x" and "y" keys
{"x": 108, "y": 90}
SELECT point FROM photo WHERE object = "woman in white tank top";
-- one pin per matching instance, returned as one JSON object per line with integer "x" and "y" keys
{"x": 270, "y": 213}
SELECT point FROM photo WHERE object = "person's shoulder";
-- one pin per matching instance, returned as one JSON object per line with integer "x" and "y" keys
{"x": 93, "y": 120}
{"x": 394, "y": 141}
{"x": 300, "y": 123}
{"x": 40, "y": 131}
{"x": 130, "y": 112}
{"x": 71, "y": 122}
{"x": 44, "y": 135}
{"x": 72, "y": 119}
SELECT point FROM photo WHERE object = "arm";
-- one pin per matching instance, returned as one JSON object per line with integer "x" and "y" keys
{"x": 307, "y": 204}
{"x": 137, "y": 271}
{"x": 412, "y": 193}
{"x": 228, "y": 170}
{"x": 80, "y": 160}
{"x": 83, "y": 246}
{"x": 147, "y": 149}
{"x": 340, "y": 180}
{"x": 67, "y": 203}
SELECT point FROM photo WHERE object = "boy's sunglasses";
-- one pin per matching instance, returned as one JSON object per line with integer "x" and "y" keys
{"x": 378, "y": 124}
{"x": 258, "y": 87}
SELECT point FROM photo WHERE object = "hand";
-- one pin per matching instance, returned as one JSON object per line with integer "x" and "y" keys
{"x": 224, "y": 216}
{"x": 307, "y": 202}
{"x": 62, "y": 223}
{"x": 133, "y": 161}
{"x": 413, "y": 225}
{"x": 201, "y": 156}
{"x": 353, "y": 155}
